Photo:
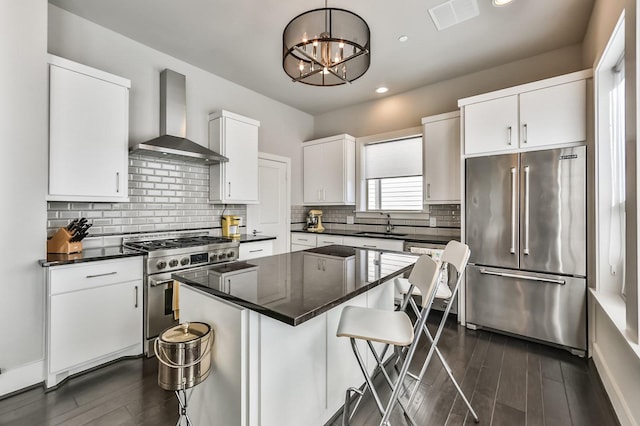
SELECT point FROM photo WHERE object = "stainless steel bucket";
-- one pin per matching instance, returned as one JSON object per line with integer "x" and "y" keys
{"x": 184, "y": 355}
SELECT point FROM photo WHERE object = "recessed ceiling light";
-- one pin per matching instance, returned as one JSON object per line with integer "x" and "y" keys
{"x": 403, "y": 38}
{"x": 382, "y": 89}
{"x": 499, "y": 3}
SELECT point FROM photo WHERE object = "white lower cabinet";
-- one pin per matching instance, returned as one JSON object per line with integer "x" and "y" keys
{"x": 94, "y": 315}
{"x": 327, "y": 240}
{"x": 255, "y": 249}
{"x": 302, "y": 241}
{"x": 374, "y": 243}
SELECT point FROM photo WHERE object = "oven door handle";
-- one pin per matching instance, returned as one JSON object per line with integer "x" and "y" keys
{"x": 156, "y": 283}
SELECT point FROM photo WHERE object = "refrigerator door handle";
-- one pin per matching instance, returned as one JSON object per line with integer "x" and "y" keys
{"x": 514, "y": 219}
{"x": 526, "y": 210}
{"x": 523, "y": 277}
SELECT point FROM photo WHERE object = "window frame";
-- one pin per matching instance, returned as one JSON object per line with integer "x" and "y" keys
{"x": 361, "y": 182}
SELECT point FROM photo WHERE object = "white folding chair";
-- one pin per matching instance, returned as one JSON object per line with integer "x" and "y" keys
{"x": 391, "y": 328}
{"x": 455, "y": 255}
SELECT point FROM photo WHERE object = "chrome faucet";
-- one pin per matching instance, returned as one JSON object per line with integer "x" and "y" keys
{"x": 389, "y": 225}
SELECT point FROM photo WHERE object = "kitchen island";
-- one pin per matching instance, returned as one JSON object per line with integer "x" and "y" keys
{"x": 276, "y": 358}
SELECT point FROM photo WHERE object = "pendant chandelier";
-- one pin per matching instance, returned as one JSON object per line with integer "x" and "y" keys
{"x": 326, "y": 47}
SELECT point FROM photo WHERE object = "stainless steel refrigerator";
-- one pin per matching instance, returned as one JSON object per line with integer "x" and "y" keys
{"x": 525, "y": 218}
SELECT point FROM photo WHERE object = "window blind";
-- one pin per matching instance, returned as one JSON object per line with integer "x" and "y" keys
{"x": 393, "y": 159}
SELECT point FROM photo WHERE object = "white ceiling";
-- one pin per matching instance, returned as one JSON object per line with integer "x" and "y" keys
{"x": 241, "y": 40}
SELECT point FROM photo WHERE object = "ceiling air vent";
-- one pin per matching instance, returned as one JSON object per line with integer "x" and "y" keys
{"x": 453, "y": 12}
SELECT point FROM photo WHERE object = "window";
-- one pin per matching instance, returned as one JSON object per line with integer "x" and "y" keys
{"x": 617, "y": 170}
{"x": 393, "y": 175}
{"x": 610, "y": 181}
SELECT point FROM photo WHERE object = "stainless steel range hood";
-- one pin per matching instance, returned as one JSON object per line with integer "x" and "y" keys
{"x": 173, "y": 126}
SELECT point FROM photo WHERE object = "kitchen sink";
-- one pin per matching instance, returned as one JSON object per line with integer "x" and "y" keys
{"x": 381, "y": 234}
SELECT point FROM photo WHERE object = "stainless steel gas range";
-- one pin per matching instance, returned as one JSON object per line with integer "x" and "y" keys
{"x": 166, "y": 254}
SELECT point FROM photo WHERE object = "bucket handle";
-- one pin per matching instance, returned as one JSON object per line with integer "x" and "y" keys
{"x": 171, "y": 364}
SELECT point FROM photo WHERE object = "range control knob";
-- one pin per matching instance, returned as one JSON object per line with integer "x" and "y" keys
{"x": 161, "y": 264}
{"x": 213, "y": 258}
{"x": 230, "y": 254}
{"x": 184, "y": 261}
{"x": 222, "y": 255}
{"x": 173, "y": 263}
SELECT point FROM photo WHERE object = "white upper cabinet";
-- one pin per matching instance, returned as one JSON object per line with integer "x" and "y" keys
{"x": 441, "y": 138}
{"x": 545, "y": 113}
{"x": 88, "y": 133}
{"x": 235, "y": 137}
{"x": 491, "y": 125}
{"x": 330, "y": 171}
{"x": 554, "y": 115}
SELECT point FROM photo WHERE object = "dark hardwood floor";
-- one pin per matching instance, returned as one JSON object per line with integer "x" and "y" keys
{"x": 510, "y": 382}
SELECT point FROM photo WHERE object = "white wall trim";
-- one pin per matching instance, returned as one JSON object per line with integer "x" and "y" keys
{"x": 15, "y": 379}
{"x": 616, "y": 396}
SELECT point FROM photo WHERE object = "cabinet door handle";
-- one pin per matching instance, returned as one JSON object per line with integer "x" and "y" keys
{"x": 229, "y": 192}
{"x": 118, "y": 182}
{"x": 255, "y": 251}
{"x": 428, "y": 190}
{"x": 509, "y": 135}
{"x": 102, "y": 275}
{"x": 524, "y": 130}
{"x": 324, "y": 194}
{"x": 136, "y": 289}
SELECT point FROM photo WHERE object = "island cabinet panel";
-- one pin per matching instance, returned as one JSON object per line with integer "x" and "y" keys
{"x": 268, "y": 373}
{"x": 221, "y": 399}
{"x": 293, "y": 372}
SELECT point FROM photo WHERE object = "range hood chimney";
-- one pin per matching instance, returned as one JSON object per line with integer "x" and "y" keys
{"x": 172, "y": 142}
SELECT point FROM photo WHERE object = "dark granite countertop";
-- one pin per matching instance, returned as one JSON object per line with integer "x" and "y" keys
{"x": 250, "y": 238}
{"x": 89, "y": 255}
{"x": 296, "y": 287}
{"x": 434, "y": 239}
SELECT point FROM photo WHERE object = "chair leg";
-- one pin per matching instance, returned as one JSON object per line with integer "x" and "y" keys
{"x": 403, "y": 371}
{"x": 409, "y": 301}
{"x": 390, "y": 383}
{"x": 434, "y": 348}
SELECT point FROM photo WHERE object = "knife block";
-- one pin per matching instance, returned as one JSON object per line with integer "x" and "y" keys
{"x": 59, "y": 243}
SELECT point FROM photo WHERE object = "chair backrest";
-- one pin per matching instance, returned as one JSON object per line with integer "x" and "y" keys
{"x": 456, "y": 254}
{"x": 425, "y": 275}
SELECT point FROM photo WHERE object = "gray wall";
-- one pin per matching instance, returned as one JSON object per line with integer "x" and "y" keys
{"x": 404, "y": 110}
{"x": 282, "y": 127}
{"x": 23, "y": 179}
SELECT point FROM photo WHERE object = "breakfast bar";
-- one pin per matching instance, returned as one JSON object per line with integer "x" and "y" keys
{"x": 276, "y": 358}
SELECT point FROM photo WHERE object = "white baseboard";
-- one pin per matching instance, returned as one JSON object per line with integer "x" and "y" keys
{"x": 15, "y": 379}
{"x": 620, "y": 404}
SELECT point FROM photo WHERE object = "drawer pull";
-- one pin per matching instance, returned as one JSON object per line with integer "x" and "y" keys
{"x": 255, "y": 251}
{"x": 365, "y": 245}
{"x": 102, "y": 275}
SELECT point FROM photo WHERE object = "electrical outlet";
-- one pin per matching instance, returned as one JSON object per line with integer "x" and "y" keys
{"x": 432, "y": 222}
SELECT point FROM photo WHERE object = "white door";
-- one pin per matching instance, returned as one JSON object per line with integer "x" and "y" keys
{"x": 271, "y": 216}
